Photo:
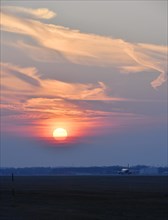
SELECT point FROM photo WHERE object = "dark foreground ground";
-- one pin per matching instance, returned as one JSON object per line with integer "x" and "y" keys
{"x": 84, "y": 197}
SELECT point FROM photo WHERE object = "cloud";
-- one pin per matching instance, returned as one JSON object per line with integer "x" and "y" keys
{"x": 50, "y": 101}
{"x": 61, "y": 108}
{"x": 14, "y": 75}
{"x": 21, "y": 80}
{"x": 88, "y": 49}
{"x": 38, "y": 53}
{"x": 42, "y": 13}
{"x": 149, "y": 57}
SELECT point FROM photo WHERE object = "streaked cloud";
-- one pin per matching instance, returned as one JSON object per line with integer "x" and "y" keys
{"x": 87, "y": 49}
{"x": 14, "y": 78}
{"x": 31, "y": 94}
{"x": 41, "y": 13}
{"x": 29, "y": 100}
{"x": 150, "y": 57}
{"x": 38, "y": 53}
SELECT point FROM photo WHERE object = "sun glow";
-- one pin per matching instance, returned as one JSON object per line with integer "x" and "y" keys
{"x": 60, "y": 134}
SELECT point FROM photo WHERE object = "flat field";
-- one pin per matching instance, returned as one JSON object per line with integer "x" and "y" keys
{"x": 84, "y": 198}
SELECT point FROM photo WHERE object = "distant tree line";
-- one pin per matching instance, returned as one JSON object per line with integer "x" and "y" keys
{"x": 52, "y": 171}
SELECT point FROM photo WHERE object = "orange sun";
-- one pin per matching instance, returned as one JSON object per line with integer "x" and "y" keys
{"x": 60, "y": 134}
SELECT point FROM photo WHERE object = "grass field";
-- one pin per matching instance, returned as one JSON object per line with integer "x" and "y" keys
{"x": 84, "y": 197}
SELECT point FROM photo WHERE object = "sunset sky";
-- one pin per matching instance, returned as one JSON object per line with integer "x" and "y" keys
{"x": 94, "y": 68}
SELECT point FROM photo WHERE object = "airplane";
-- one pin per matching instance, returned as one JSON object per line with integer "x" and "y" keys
{"x": 125, "y": 171}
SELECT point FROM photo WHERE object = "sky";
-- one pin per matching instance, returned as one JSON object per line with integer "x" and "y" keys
{"x": 94, "y": 68}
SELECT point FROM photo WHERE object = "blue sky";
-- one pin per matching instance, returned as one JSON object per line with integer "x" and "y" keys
{"x": 95, "y": 68}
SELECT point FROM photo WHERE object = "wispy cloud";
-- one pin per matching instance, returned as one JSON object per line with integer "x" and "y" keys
{"x": 149, "y": 57}
{"x": 87, "y": 49}
{"x": 38, "y": 53}
{"x": 18, "y": 79}
{"x": 14, "y": 78}
{"x": 29, "y": 99}
{"x": 41, "y": 13}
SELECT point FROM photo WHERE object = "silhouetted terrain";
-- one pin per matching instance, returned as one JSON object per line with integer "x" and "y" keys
{"x": 104, "y": 170}
{"x": 84, "y": 197}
